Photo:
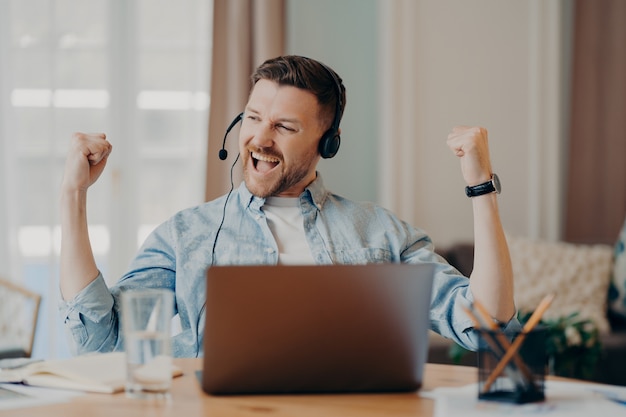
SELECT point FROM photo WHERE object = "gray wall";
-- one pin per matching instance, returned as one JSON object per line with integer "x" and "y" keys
{"x": 343, "y": 35}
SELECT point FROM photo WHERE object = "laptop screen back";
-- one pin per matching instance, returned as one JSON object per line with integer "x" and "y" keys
{"x": 335, "y": 328}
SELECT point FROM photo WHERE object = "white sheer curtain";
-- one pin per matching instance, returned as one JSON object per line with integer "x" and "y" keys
{"x": 134, "y": 69}
{"x": 397, "y": 92}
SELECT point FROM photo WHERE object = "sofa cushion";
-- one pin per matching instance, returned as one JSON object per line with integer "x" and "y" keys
{"x": 617, "y": 296}
{"x": 578, "y": 275}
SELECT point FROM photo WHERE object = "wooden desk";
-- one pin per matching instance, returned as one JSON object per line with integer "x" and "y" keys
{"x": 188, "y": 400}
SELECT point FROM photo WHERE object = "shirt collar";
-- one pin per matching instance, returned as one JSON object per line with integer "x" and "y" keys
{"x": 315, "y": 193}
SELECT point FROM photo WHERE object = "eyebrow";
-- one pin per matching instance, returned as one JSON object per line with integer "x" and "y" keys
{"x": 280, "y": 120}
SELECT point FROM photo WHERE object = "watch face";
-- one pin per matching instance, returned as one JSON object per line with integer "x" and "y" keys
{"x": 496, "y": 183}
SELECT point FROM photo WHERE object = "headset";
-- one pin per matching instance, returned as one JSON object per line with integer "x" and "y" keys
{"x": 330, "y": 140}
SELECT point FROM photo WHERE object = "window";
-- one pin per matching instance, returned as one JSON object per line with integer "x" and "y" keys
{"x": 137, "y": 70}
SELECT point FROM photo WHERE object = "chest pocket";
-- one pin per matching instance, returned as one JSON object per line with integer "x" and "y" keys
{"x": 362, "y": 256}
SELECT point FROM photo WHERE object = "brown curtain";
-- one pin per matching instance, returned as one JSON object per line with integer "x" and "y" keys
{"x": 245, "y": 33}
{"x": 596, "y": 192}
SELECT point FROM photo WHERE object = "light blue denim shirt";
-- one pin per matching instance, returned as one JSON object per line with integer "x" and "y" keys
{"x": 178, "y": 252}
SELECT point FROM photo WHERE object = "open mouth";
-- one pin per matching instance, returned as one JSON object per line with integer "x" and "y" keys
{"x": 264, "y": 163}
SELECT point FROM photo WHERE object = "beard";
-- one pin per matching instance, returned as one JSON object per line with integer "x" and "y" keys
{"x": 283, "y": 178}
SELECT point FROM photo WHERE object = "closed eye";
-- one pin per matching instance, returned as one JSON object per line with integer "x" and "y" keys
{"x": 286, "y": 128}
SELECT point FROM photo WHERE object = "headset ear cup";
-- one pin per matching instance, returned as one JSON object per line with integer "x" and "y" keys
{"x": 329, "y": 144}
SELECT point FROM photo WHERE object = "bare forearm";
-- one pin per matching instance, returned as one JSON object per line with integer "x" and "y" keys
{"x": 86, "y": 159}
{"x": 78, "y": 266}
{"x": 492, "y": 278}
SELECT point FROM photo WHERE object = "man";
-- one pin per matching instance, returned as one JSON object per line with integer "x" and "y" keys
{"x": 281, "y": 213}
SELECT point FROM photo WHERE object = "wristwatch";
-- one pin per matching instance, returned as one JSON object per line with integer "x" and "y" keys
{"x": 491, "y": 186}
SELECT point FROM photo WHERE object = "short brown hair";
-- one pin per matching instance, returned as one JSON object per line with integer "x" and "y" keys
{"x": 307, "y": 74}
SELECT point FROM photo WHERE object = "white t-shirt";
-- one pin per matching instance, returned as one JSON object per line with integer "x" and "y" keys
{"x": 285, "y": 221}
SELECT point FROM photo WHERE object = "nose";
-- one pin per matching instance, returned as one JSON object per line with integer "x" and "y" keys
{"x": 262, "y": 135}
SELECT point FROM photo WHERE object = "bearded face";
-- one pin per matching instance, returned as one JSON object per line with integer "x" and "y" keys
{"x": 278, "y": 140}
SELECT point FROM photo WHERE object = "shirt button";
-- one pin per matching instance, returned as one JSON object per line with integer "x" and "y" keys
{"x": 257, "y": 217}
{"x": 269, "y": 250}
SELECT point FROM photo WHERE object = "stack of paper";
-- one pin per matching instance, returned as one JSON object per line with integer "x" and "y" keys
{"x": 562, "y": 399}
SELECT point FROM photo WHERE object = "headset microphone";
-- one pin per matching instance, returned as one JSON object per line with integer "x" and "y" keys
{"x": 223, "y": 154}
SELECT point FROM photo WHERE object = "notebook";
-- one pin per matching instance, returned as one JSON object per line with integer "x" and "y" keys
{"x": 93, "y": 372}
{"x": 316, "y": 329}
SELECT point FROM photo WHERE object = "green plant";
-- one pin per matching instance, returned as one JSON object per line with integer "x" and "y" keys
{"x": 573, "y": 345}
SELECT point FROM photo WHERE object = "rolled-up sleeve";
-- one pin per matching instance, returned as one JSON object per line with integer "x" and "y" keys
{"x": 451, "y": 290}
{"x": 90, "y": 319}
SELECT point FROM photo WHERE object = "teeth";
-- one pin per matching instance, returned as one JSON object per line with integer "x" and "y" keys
{"x": 264, "y": 158}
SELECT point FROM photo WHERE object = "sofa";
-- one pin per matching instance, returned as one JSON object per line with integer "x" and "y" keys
{"x": 584, "y": 279}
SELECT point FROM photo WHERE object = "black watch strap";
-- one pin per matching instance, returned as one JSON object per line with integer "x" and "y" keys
{"x": 491, "y": 186}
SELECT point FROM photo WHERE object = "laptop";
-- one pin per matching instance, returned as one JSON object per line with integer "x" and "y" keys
{"x": 316, "y": 328}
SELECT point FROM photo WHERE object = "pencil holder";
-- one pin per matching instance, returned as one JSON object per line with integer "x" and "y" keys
{"x": 512, "y": 369}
